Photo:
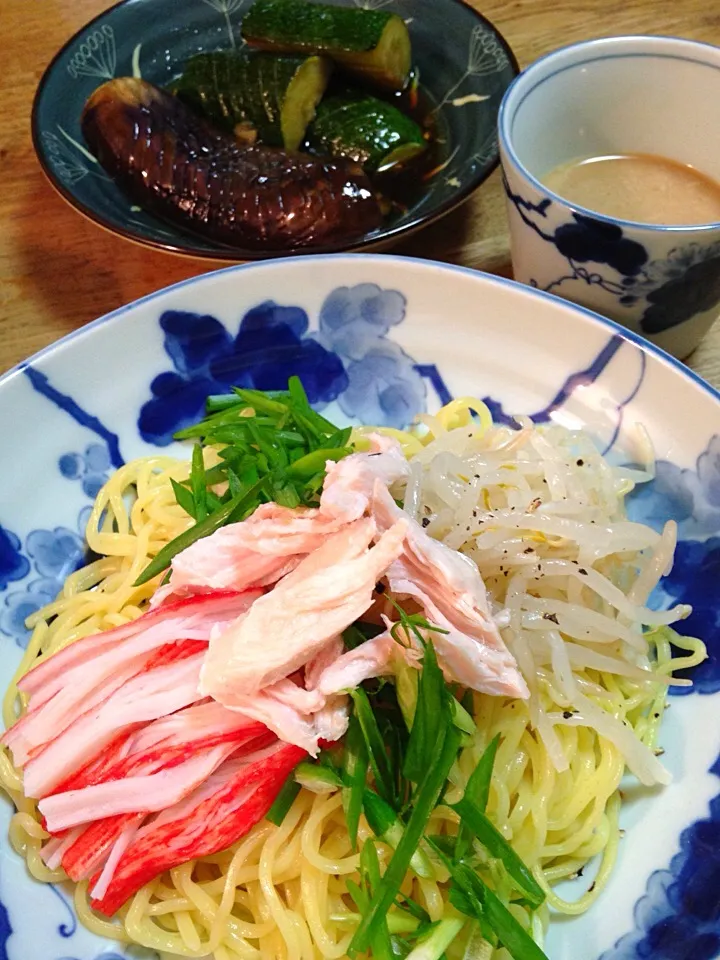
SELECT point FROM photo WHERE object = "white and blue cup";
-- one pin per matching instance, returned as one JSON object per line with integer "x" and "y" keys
{"x": 614, "y": 96}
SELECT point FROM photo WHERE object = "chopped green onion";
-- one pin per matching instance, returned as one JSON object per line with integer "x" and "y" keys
{"x": 283, "y": 801}
{"x": 200, "y": 530}
{"x": 397, "y": 922}
{"x": 497, "y": 846}
{"x": 370, "y": 873}
{"x": 314, "y": 462}
{"x": 274, "y": 440}
{"x": 222, "y": 401}
{"x": 477, "y": 790}
{"x": 440, "y": 938}
{"x": 429, "y": 715}
{"x": 355, "y": 768}
{"x": 197, "y": 483}
{"x": 414, "y": 908}
{"x": 445, "y": 842}
{"x": 184, "y": 498}
{"x": 438, "y": 764}
{"x": 317, "y": 778}
{"x": 387, "y": 826}
{"x": 461, "y": 718}
{"x": 370, "y": 865}
{"x": 377, "y": 754}
{"x": 516, "y": 940}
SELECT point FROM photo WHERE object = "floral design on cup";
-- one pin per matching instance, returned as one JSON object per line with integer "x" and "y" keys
{"x": 584, "y": 240}
{"x": 692, "y": 286}
{"x": 676, "y": 288}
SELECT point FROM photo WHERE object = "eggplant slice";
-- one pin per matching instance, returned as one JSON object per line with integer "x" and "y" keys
{"x": 175, "y": 165}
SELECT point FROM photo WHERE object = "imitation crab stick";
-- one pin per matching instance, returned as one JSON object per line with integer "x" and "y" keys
{"x": 142, "y": 699}
{"x": 74, "y": 680}
{"x": 226, "y": 808}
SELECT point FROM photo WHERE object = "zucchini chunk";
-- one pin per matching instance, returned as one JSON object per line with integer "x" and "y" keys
{"x": 373, "y": 44}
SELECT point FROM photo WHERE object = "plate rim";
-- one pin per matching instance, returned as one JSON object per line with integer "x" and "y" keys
{"x": 233, "y": 254}
{"x": 588, "y": 315}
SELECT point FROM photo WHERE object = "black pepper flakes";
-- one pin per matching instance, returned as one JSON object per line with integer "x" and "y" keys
{"x": 567, "y": 714}
{"x": 529, "y": 550}
{"x": 583, "y": 571}
{"x": 425, "y": 521}
{"x": 580, "y": 463}
{"x": 379, "y": 587}
{"x": 552, "y": 617}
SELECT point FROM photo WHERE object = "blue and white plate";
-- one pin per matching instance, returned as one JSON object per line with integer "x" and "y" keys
{"x": 378, "y": 340}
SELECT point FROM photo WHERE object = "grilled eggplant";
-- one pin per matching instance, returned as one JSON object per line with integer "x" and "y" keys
{"x": 176, "y": 166}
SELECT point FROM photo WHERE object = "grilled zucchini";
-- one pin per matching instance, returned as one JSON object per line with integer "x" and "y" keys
{"x": 373, "y": 44}
{"x": 258, "y": 96}
{"x": 370, "y": 131}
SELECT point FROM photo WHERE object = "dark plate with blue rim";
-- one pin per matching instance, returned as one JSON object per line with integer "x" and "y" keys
{"x": 464, "y": 64}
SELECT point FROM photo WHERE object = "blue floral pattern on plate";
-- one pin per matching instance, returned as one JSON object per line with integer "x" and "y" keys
{"x": 90, "y": 467}
{"x": 13, "y": 565}
{"x": 679, "y": 916}
{"x": 692, "y": 499}
{"x": 349, "y": 359}
{"x": 51, "y": 555}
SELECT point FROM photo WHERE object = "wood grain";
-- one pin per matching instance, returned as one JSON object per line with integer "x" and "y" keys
{"x": 58, "y": 271}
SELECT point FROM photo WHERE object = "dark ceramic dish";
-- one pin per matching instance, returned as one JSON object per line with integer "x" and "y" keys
{"x": 465, "y": 67}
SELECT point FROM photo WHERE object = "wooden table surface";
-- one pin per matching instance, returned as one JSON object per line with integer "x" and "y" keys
{"x": 58, "y": 270}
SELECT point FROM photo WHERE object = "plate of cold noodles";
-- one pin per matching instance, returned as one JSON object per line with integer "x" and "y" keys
{"x": 312, "y": 684}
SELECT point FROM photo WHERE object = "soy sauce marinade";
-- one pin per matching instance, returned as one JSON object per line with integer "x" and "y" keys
{"x": 407, "y": 185}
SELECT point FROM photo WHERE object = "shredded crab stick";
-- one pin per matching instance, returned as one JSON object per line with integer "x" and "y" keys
{"x": 222, "y": 812}
{"x": 151, "y": 792}
{"x": 142, "y": 699}
{"x": 161, "y": 745}
{"x": 66, "y": 685}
